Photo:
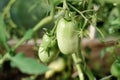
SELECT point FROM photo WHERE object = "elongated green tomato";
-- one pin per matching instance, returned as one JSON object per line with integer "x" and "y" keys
{"x": 48, "y": 49}
{"x": 67, "y": 36}
{"x": 115, "y": 68}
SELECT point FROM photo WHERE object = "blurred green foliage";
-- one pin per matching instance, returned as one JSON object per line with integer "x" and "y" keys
{"x": 3, "y": 3}
{"x": 27, "y": 13}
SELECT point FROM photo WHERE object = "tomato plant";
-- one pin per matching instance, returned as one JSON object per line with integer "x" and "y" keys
{"x": 69, "y": 47}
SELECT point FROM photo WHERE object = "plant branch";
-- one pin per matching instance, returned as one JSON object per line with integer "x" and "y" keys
{"x": 42, "y": 23}
{"x": 4, "y": 58}
{"x": 106, "y": 77}
{"x": 79, "y": 59}
{"x": 18, "y": 44}
{"x": 78, "y": 11}
{"x": 65, "y": 6}
{"x": 78, "y": 66}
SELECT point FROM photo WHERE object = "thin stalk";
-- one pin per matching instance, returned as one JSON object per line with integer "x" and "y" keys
{"x": 106, "y": 77}
{"x": 76, "y": 60}
{"x": 52, "y": 8}
{"x": 18, "y": 44}
{"x": 65, "y": 6}
{"x": 59, "y": 15}
{"x": 86, "y": 20}
{"x": 78, "y": 11}
{"x": 87, "y": 11}
{"x": 42, "y": 23}
{"x": 54, "y": 28}
{"x": 80, "y": 51}
{"x": 102, "y": 35}
{"x": 4, "y": 58}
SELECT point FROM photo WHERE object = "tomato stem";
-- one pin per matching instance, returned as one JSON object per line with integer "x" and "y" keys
{"x": 81, "y": 64}
{"x": 42, "y": 22}
{"x": 18, "y": 44}
{"x": 78, "y": 66}
{"x": 78, "y": 11}
{"x": 4, "y": 58}
{"x": 65, "y": 5}
{"x": 52, "y": 8}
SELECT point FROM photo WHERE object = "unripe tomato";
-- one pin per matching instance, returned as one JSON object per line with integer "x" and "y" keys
{"x": 46, "y": 56}
{"x": 115, "y": 68}
{"x": 57, "y": 65}
{"x": 49, "y": 74}
{"x": 48, "y": 49}
{"x": 67, "y": 37}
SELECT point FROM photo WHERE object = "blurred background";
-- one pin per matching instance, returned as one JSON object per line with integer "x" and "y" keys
{"x": 21, "y": 15}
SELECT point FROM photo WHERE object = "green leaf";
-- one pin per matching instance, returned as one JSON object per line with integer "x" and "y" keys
{"x": 3, "y": 37}
{"x": 20, "y": 54}
{"x": 28, "y": 65}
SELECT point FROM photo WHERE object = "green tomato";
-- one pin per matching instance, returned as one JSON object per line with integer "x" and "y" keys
{"x": 48, "y": 49}
{"x": 67, "y": 36}
{"x": 115, "y": 68}
{"x": 57, "y": 65}
{"x": 46, "y": 56}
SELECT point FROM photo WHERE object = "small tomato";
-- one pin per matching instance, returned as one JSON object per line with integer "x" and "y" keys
{"x": 48, "y": 49}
